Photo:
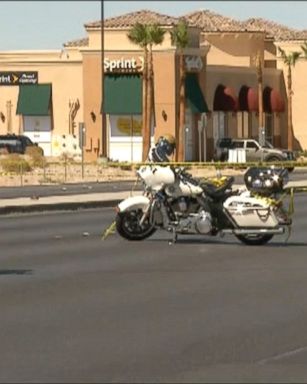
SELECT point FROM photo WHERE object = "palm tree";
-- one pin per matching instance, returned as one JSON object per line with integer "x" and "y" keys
{"x": 289, "y": 60}
{"x": 304, "y": 49}
{"x": 155, "y": 37}
{"x": 139, "y": 35}
{"x": 179, "y": 38}
{"x": 260, "y": 97}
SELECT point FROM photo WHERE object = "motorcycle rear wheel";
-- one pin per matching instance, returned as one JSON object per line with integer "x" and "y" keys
{"x": 129, "y": 227}
{"x": 254, "y": 239}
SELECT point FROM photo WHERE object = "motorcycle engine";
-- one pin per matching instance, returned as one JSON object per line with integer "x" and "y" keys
{"x": 183, "y": 206}
{"x": 190, "y": 218}
{"x": 203, "y": 224}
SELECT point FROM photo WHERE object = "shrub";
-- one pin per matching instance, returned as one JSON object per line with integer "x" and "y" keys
{"x": 66, "y": 157}
{"x": 15, "y": 163}
{"x": 36, "y": 157}
{"x": 126, "y": 167}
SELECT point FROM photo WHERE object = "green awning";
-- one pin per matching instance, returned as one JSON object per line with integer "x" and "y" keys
{"x": 122, "y": 94}
{"x": 34, "y": 100}
{"x": 194, "y": 96}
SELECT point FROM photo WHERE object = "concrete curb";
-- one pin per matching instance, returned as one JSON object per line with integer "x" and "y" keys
{"x": 65, "y": 206}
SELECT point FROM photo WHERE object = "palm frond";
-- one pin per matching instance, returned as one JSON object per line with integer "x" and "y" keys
{"x": 282, "y": 53}
{"x": 304, "y": 49}
{"x": 179, "y": 35}
{"x": 291, "y": 58}
{"x": 155, "y": 34}
{"x": 294, "y": 57}
{"x": 138, "y": 34}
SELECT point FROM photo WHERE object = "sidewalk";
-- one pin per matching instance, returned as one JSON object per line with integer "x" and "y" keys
{"x": 92, "y": 200}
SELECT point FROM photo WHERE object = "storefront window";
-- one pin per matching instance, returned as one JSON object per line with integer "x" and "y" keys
{"x": 243, "y": 124}
{"x": 269, "y": 127}
{"x": 126, "y": 126}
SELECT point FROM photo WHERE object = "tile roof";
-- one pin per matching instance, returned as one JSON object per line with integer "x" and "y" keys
{"x": 214, "y": 22}
{"x": 207, "y": 20}
{"x": 77, "y": 43}
{"x": 275, "y": 30}
{"x": 129, "y": 19}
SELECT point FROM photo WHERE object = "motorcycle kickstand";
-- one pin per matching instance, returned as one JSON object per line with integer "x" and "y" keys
{"x": 175, "y": 236}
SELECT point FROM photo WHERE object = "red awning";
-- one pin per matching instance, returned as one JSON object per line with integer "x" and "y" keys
{"x": 277, "y": 102}
{"x": 248, "y": 99}
{"x": 252, "y": 100}
{"x": 225, "y": 99}
{"x": 272, "y": 101}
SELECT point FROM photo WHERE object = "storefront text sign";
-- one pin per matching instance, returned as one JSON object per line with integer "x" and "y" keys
{"x": 124, "y": 65}
{"x": 18, "y": 78}
{"x": 129, "y": 126}
{"x": 193, "y": 63}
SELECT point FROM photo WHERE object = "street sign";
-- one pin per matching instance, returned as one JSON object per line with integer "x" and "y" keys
{"x": 18, "y": 78}
{"x": 82, "y": 136}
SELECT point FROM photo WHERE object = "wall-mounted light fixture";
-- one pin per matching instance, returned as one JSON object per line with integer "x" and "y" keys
{"x": 164, "y": 115}
{"x": 93, "y": 116}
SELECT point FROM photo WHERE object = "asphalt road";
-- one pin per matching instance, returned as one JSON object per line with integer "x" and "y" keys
{"x": 84, "y": 188}
{"x": 78, "y": 309}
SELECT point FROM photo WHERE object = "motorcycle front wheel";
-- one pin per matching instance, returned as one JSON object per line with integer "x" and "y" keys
{"x": 258, "y": 239}
{"x": 129, "y": 227}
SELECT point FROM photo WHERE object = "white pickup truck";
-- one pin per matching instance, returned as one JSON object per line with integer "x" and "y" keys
{"x": 253, "y": 150}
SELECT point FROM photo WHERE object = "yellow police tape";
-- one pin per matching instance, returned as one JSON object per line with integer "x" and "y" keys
{"x": 273, "y": 202}
{"x": 218, "y": 165}
{"x": 110, "y": 230}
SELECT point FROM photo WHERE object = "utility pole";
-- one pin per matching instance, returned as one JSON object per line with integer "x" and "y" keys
{"x": 103, "y": 120}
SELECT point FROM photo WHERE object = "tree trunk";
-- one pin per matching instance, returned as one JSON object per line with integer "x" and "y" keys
{"x": 260, "y": 99}
{"x": 290, "y": 128}
{"x": 145, "y": 148}
{"x": 180, "y": 142}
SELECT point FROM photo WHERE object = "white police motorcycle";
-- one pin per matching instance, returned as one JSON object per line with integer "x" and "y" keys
{"x": 174, "y": 201}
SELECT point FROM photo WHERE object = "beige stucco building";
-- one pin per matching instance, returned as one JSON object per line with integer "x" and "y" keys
{"x": 221, "y": 87}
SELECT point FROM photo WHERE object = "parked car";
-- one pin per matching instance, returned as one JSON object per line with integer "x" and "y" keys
{"x": 16, "y": 144}
{"x": 253, "y": 150}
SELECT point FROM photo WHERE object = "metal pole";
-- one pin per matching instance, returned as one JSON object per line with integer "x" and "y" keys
{"x": 103, "y": 125}
{"x": 131, "y": 135}
{"x": 65, "y": 169}
{"x": 199, "y": 126}
{"x": 21, "y": 175}
{"x": 44, "y": 170}
{"x": 82, "y": 163}
{"x": 83, "y": 146}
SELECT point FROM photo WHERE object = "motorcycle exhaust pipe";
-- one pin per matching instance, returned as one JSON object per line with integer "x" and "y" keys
{"x": 254, "y": 231}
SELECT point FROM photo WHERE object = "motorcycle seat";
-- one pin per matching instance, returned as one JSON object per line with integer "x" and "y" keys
{"x": 217, "y": 192}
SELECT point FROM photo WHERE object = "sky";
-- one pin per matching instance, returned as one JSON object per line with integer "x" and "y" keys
{"x": 48, "y": 24}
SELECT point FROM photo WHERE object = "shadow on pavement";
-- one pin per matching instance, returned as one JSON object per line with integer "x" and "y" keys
{"x": 15, "y": 272}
